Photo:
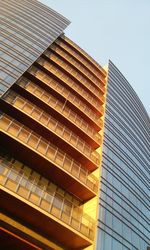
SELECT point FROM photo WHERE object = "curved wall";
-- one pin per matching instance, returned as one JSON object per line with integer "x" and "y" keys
{"x": 27, "y": 28}
{"x": 124, "y": 201}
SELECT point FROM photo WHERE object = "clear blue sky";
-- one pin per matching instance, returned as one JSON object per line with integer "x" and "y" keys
{"x": 113, "y": 29}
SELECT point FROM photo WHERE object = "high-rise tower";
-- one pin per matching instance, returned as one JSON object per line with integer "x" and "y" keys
{"x": 124, "y": 190}
{"x": 51, "y": 122}
{"x": 57, "y": 191}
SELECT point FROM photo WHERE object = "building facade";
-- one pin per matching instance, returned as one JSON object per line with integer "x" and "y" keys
{"x": 27, "y": 28}
{"x": 56, "y": 189}
{"x": 51, "y": 123}
{"x": 124, "y": 190}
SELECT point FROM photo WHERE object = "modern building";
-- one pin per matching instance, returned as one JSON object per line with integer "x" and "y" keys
{"x": 124, "y": 190}
{"x": 57, "y": 191}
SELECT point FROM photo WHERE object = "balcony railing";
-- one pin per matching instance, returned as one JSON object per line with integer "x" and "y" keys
{"x": 68, "y": 80}
{"x": 79, "y": 57}
{"x": 49, "y": 151}
{"x": 55, "y": 70}
{"x": 51, "y": 124}
{"x": 60, "y": 107}
{"x": 46, "y": 198}
{"x": 68, "y": 95}
{"x": 73, "y": 62}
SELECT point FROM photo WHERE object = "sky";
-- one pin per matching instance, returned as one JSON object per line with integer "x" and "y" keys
{"x": 118, "y": 30}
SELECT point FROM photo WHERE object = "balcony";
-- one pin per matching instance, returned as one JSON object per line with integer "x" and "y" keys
{"x": 76, "y": 103}
{"x": 62, "y": 111}
{"x": 69, "y": 74}
{"x": 54, "y": 130}
{"x": 51, "y": 211}
{"x": 74, "y": 50}
{"x": 57, "y": 54}
{"x": 47, "y": 158}
{"x": 43, "y": 74}
{"x": 80, "y": 90}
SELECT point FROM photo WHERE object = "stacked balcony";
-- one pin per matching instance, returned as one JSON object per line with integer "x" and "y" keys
{"x": 20, "y": 185}
{"x": 50, "y": 125}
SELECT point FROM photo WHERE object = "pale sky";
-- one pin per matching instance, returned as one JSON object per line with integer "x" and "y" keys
{"x": 113, "y": 29}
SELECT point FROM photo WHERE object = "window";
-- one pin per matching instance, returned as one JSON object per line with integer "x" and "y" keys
{"x": 116, "y": 245}
{"x": 57, "y": 202}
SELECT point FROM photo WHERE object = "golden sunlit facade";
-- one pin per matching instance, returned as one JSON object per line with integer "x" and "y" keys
{"x": 51, "y": 130}
{"x": 57, "y": 191}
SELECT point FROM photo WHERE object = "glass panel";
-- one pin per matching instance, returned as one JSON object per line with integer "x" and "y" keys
{"x": 4, "y": 122}
{"x": 33, "y": 140}
{"x": 51, "y": 152}
{"x": 67, "y": 163}
{"x": 42, "y": 147}
{"x": 19, "y": 102}
{"x": 28, "y": 108}
{"x": 36, "y": 113}
{"x": 23, "y": 134}
{"x": 59, "y": 158}
{"x": 75, "y": 169}
{"x": 13, "y": 129}
{"x": 44, "y": 119}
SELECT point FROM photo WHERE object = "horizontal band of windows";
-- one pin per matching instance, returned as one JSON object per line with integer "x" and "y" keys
{"x": 37, "y": 7}
{"x": 9, "y": 70}
{"x": 3, "y": 82}
{"x": 56, "y": 56}
{"x": 141, "y": 193}
{"x": 115, "y": 171}
{"x": 127, "y": 188}
{"x": 13, "y": 66}
{"x": 73, "y": 75}
{"x": 131, "y": 226}
{"x": 121, "y": 126}
{"x": 3, "y": 88}
{"x": 65, "y": 91}
{"x": 26, "y": 27}
{"x": 40, "y": 23}
{"x": 123, "y": 211}
{"x": 113, "y": 135}
{"x": 15, "y": 54}
{"x": 124, "y": 133}
{"x": 106, "y": 240}
{"x": 5, "y": 73}
{"x": 110, "y": 107}
{"x": 120, "y": 211}
{"x": 126, "y": 201}
{"x": 119, "y": 238}
{"x": 19, "y": 40}
{"x": 117, "y": 155}
{"x": 124, "y": 84}
{"x": 125, "y": 151}
{"x": 125, "y": 87}
{"x": 132, "y": 175}
{"x": 23, "y": 33}
{"x": 121, "y": 88}
{"x": 20, "y": 36}
{"x": 122, "y": 155}
{"x": 127, "y": 115}
{"x": 126, "y": 106}
{"x": 123, "y": 94}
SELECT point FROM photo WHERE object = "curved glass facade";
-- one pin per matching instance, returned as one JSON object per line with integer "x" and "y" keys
{"x": 124, "y": 202}
{"x": 51, "y": 123}
{"x": 27, "y": 28}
